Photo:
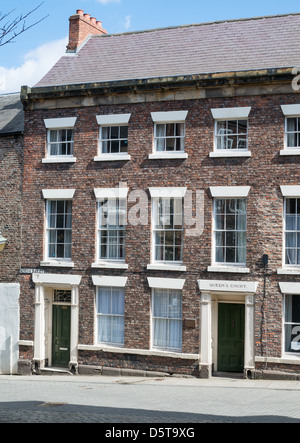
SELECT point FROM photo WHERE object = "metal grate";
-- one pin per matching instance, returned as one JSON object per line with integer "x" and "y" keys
{"x": 62, "y": 296}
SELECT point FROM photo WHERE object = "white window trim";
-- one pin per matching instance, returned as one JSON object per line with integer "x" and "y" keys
{"x": 111, "y": 157}
{"x": 59, "y": 123}
{"x": 229, "y": 191}
{"x": 169, "y": 116}
{"x": 109, "y": 281}
{"x": 226, "y": 192}
{"x": 288, "y": 288}
{"x": 220, "y": 114}
{"x": 167, "y": 192}
{"x": 56, "y": 279}
{"x": 231, "y": 113}
{"x": 288, "y": 192}
{"x": 167, "y": 350}
{"x": 56, "y": 194}
{"x": 109, "y": 193}
{"x": 164, "y": 118}
{"x": 111, "y": 120}
{"x": 157, "y": 193}
{"x": 289, "y": 111}
{"x": 165, "y": 283}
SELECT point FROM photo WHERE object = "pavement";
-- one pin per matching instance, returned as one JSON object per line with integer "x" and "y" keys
{"x": 147, "y": 400}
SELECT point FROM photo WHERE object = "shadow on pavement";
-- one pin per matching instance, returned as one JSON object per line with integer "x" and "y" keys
{"x": 39, "y": 412}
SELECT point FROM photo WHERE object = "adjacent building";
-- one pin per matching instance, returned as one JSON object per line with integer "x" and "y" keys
{"x": 161, "y": 201}
{"x": 11, "y": 168}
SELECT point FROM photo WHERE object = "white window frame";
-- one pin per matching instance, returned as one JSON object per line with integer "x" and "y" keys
{"x": 223, "y": 193}
{"x": 235, "y": 264}
{"x": 230, "y": 114}
{"x": 111, "y": 120}
{"x": 164, "y": 118}
{"x": 59, "y": 124}
{"x": 168, "y": 319}
{"x": 296, "y": 353}
{"x": 56, "y": 195}
{"x": 288, "y": 192}
{"x": 98, "y": 315}
{"x": 112, "y": 194}
{"x": 286, "y": 265}
{"x": 290, "y": 111}
{"x": 155, "y": 194}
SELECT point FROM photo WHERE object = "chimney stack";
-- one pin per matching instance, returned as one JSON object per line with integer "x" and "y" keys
{"x": 81, "y": 27}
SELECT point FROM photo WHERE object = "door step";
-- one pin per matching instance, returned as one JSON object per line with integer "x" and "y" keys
{"x": 55, "y": 371}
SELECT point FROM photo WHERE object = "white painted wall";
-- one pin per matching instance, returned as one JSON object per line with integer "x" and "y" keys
{"x": 9, "y": 327}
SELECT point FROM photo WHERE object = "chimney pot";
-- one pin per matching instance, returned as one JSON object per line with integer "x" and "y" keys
{"x": 99, "y": 24}
{"x": 93, "y": 20}
{"x": 87, "y": 16}
{"x": 79, "y": 12}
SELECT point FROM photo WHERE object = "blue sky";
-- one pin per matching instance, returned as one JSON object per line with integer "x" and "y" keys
{"x": 33, "y": 53}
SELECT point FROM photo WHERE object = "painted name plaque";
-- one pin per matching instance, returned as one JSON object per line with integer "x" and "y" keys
{"x": 227, "y": 286}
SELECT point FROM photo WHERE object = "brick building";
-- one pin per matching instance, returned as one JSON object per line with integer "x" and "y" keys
{"x": 161, "y": 196}
{"x": 11, "y": 166}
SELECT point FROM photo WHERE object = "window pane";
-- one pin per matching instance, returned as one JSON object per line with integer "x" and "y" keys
{"x": 170, "y": 130}
{"x": 242, "y": 126}
{"x": 114, "y": 132}
{"x": 124, "y": 132}
{"x": 170, "y": 144}
{"x": 220, "y": 255}
{"x": 292, "y": 140}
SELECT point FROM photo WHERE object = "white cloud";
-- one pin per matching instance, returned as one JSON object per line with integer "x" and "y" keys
{"x": 106, "y": 2}
{"x": 127, "y": 22}
{"x": 36, "y": 64}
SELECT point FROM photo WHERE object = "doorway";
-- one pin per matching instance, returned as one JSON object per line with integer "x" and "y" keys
{"x": 61, "y": 335}
{"x": 231, "y": 337}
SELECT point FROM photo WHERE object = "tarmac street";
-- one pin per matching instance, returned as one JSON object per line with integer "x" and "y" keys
{"x": 137, "y": 400}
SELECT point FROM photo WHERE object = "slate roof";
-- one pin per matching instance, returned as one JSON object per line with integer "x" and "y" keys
{"x": 228, "y": 46}
{"x": 11, "y": 114}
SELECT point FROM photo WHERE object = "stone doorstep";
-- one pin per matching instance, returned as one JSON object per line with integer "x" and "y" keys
{"x": 55, "y": 371}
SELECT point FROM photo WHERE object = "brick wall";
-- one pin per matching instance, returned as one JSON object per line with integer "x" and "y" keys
{"x": 264, "y": 171}
{"x": 11, "y": 160}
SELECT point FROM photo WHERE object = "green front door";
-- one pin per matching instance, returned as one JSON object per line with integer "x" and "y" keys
{"x": 61, "y": 335}
{"x": 231, "y": 334}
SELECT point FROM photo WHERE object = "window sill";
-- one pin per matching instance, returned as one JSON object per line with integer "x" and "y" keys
{"x": 110, "y": 265}
{"x": 228, "y": 153}
{"x": 111, "y": 157}
{"x": 59, "y": 160}
{"x": 290, "y": 151}
{"x": 289, "y": 271}
{"x": 168, "y": 155}
{"x": 166, "y": 267}
{"x": 58, "y": 264}
{"x": 230, "y": 269}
